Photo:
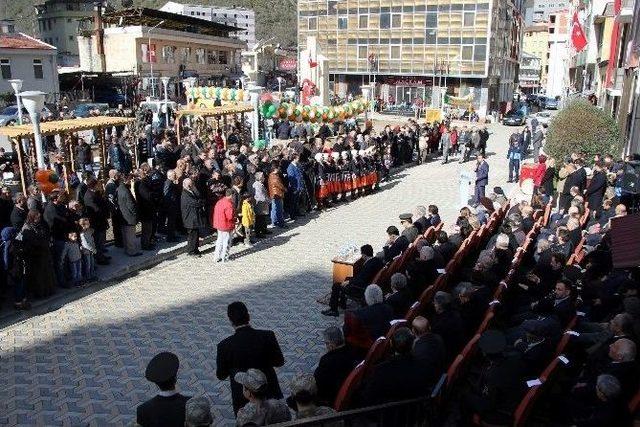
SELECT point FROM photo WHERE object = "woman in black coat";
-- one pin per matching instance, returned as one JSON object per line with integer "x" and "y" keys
{"x": 39, "y": 273}
{"x": 547, "y": 179}
{"x": 193, "y": 219}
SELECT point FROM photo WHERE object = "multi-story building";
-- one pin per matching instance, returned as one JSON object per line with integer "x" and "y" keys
{"x": 529, "y": 73}
{"x": 558, "y": 54}
{"x": 29, "y": 59}
{"x": 536, "y": 42}
{"x": 7, "y": 26}
{"x": 244, "y": 19}
{"x": 539, "y": 10}
{"x": 408, "y": 46}
{"x": 58, "y": 26}
{"x": 150, "y": 44}
{"x": 633, "y": 84}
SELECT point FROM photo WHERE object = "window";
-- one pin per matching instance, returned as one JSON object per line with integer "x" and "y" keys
{"x": 332, "y": 7}
{"x": 212, "y": 57}
{"x": 362, "y": 52}
{"x": 431, "y": 36}
{"x": 469, "y": 19}
{"x": 185, "y": 55}
{"x": 201, "y": 57}
{"x": 148, "y": 54}
{"x": 313, "y": 23}
{"x": 467, "y": 53}
{"x": 480, "y": 52}
{"x": 68, "y": 20}
{"x": 37, "y": 69}
{"x": 385, "y": 20}
{"x": 396, "y": 20}
{"x": 363, "y": 21}
{"x": 342, "y": 23}
{"x": 222, "y": 57}
{"x": 5, "y": 67}
{"x": 70, "y": 38}
{"x": 169, "y": 54}
{"x": 432, "y": 20}
{"x": 394, "y": 52}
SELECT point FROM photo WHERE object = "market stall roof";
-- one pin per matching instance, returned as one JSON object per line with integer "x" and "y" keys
{"x": 64, "y": 126}
{"x": 216, "y": 111}
{"x": 172, "y": 21}
{"x": 625, "y": 245}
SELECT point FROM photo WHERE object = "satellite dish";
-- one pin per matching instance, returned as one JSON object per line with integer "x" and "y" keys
{"x": 126, "y": 3}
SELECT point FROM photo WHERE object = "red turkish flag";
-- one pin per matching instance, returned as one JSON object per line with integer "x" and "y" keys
{"x": 578, "y": 39}
{"x": 312, "y": 63}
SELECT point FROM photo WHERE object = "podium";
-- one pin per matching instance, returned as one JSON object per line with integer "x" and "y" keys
{"x": 466, "y": 179}
{"x": 343, "y": 269}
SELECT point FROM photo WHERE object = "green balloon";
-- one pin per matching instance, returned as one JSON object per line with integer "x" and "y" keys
{"x": 54, "y": 178}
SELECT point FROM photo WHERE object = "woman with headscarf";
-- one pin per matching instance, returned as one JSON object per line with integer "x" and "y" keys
{"x": 13, "y": 266}
{"x": 39, "y": 273}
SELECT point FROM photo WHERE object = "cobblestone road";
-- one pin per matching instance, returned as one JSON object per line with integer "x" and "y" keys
{"x": 83, "y": 364}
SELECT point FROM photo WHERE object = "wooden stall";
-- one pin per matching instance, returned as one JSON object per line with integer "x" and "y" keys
{"x": 216, "y": 113}
{"x": 27, "y": 161}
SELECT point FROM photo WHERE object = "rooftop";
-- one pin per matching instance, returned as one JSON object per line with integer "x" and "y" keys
{"x": 172, "y": 21}
{"x": 209, "y": 6}
{"x": 22, "y": 41}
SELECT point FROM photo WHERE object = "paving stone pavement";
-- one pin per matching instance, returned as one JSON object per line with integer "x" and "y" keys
{"x": 83, "y": 364}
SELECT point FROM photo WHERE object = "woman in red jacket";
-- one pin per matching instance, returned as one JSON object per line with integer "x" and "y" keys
{"x": 540, "y": 170}
{"x": 224, "y": 221}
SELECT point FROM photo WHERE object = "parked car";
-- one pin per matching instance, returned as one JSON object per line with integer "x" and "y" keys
{"x": 514, "y": 118}
{"x": 83, "y": 110}
{"x": 543, "y": 117}
{"x": 550, "y": 104}
{"x": 9, "y": 115}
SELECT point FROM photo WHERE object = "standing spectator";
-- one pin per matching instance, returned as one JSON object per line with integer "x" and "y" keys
{"x": 129, "y": 212}
{"x": 514, "y": 155}
{"x": 97, "y": 211}
{"x": 484, "y": 138}
{"x": 536, "y": 141}
{"x": 192, "y": 208}
{"x": 482, "y": 178}
{"x": 117, "y": 156}
{"x": 13, "y": 267}
{"x": 71, "y": 259}
{"x": 248, "y": 218}
{"x": 596, "y": 188}
{"x": 296, "y": 185}
{"x": 58, "y": 217}
{"x": 111, "y": 193}
{"x": 34, "y": 199}
{"x": 6, "y": 206}
{"x": 277, "y": 191}
{"x": 171, "y": 199}
{"x": 261, "y": 197}
{"x": 84, "y": 156}
{"x": 88, "y": 249}
{"x": 19, "y": 213}
{"x": 39, "y": 272}
{"x": 224, "y": 222}
{"x": 445, "y": 141}
{"x": 248, "y": 348}
{"x": 146, "y": 206}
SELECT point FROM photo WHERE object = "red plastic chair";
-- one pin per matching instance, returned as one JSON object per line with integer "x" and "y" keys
{"x": 427, "y": 295}
{"x": 349, "y": 387}
{"x": 526, "y": 406}
{"x": 376, "y": 353}
{"x": 487, "y": 320}
{"x": 461, "y": 361}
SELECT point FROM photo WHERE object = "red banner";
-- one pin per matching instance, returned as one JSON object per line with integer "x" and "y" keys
{"x": 288, "y": 64}
{"x": 578, "y": 39}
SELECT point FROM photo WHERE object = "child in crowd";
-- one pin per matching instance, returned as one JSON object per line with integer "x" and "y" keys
{"x": 248, "y": 217}
{"x": 71, "y": 258}
{"x": 88, "y": 249}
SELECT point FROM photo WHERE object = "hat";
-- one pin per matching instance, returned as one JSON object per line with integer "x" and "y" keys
{"x": 406, "y": 217}
{"x": 304, "y": 383}
{"x": 253, "y": 379}
{"x": 498, "y": 190}
{"x": 162, "y": 368}
{"x": 492, "y": 341}
{"x": 198, "y": 412}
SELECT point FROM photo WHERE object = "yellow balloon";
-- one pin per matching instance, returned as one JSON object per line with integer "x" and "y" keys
{"x": 240, "y": 95}
{"x": 225, "y": 94}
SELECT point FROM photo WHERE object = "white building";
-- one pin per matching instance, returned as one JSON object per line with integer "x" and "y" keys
{"x": 559, "y": 54}
{"x": 31, "y": 60}
{"x": 234, "y": 16}
{"x": 539, "y": 10}
{"x": 529, "y": 73}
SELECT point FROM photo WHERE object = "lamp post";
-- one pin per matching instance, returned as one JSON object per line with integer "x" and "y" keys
{"x": 165, "y": 83}
{"x": 34, "y": 103}
{"x": 16, "y": 84}
{"x": 280, "y": 80}
{"x": 153, "y": 86}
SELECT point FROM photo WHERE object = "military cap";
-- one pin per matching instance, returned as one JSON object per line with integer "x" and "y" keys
{"x": 162, "y": 368}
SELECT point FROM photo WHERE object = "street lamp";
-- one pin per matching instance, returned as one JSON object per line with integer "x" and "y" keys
{"x": 34, "y": 103}
{"x": 280, "y": 80}
{"x": 16, "y": 84}
{"x": 153, "y": 86}
{"x": 165, "y": 83}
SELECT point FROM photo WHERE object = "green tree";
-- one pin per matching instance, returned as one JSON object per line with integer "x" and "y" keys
{"x": 581, "y": 127}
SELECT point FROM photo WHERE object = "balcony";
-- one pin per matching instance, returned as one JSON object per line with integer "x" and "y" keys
{"x": 626, "y": 12}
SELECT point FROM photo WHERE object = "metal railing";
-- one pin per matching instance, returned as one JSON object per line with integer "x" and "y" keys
{"x": 407, "y": 413}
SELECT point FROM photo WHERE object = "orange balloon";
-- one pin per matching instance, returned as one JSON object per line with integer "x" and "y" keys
{"x": 47, "y": 187}
{"x": 42, "y": 175}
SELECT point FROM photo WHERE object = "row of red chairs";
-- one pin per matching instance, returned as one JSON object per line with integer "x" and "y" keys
{"x": 381, "y": 349}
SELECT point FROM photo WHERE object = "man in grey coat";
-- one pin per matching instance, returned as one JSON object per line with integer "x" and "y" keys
{"x": 536, "y": 141}
{"x": 445, "y": 140}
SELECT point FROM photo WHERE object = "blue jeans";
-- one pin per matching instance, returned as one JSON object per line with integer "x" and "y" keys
{"x": 75, "y": 270}
{"x": 277, "y": 212}
{"x": 88, "y": 265}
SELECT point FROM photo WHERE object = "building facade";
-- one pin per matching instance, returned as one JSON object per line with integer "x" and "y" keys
{"x": 529, "y": 73}
{"x": 540, "y": 10}
{"x": 58, "y": 26}
{"x": 244, "y": 19}
{"x": 407, "y": 47}
{"x": 151, "y": 44}
{"x": 536, "y": 42}
{"x": 559, "y": 55}
{"x": 31, "y": 60}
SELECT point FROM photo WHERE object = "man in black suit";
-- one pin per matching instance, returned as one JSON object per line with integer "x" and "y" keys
{"x": 168, "y": 407}
{"x": 248, "y": 348}
{"x": 366, "y": 324}
{"x": 447, "y": 323}
{"x": 401, "y": 297}
{"x": 596, "y": 188}
{"x": 580, "y": 177}
{"x": 334, "y": 366}
{"x": 355, "y": 286}
{"x": 399, "y": 378}
{"x": 421, "y": 221}
{"x": 396, "y": 244}
{"x": 428, "y": 348}
{"x": 560, "y": 303}
{"x": 446, "y": 248}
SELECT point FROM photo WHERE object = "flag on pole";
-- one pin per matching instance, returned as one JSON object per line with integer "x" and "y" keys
{"x": 312, "y": 63}
{"x": 578, "y": 39}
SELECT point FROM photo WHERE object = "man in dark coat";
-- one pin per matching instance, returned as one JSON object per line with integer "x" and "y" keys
{"x": 129, "y": 214}
{"x": 482, "y": 178}
{"x": 396, "y": 244}
{"x": 84, "y": 156}
{"x": 192, "y": 208}
{"x": 354, "y": 287}
{"x": 147, "y": 206}
{"x": 98, "y": 213}
{"x": 596, "y": 188}
{"x": 364, "y": 325}
{"x": 334, "y": 366}
{"x": 171, "y": 201}
{"x": 168, "y": 407}
{"x": 428, "y": 348}
{"x": 401, "y": 377}
{"x": 580, "y": 175}
{"x": 58, "y": 217}
{"x": 401, "y": 297}
{"x": 447, "y": 323}
{"x": 248, "y": 348}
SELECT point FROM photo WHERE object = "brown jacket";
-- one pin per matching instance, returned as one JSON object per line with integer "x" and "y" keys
{"x": 276, "y": 187}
